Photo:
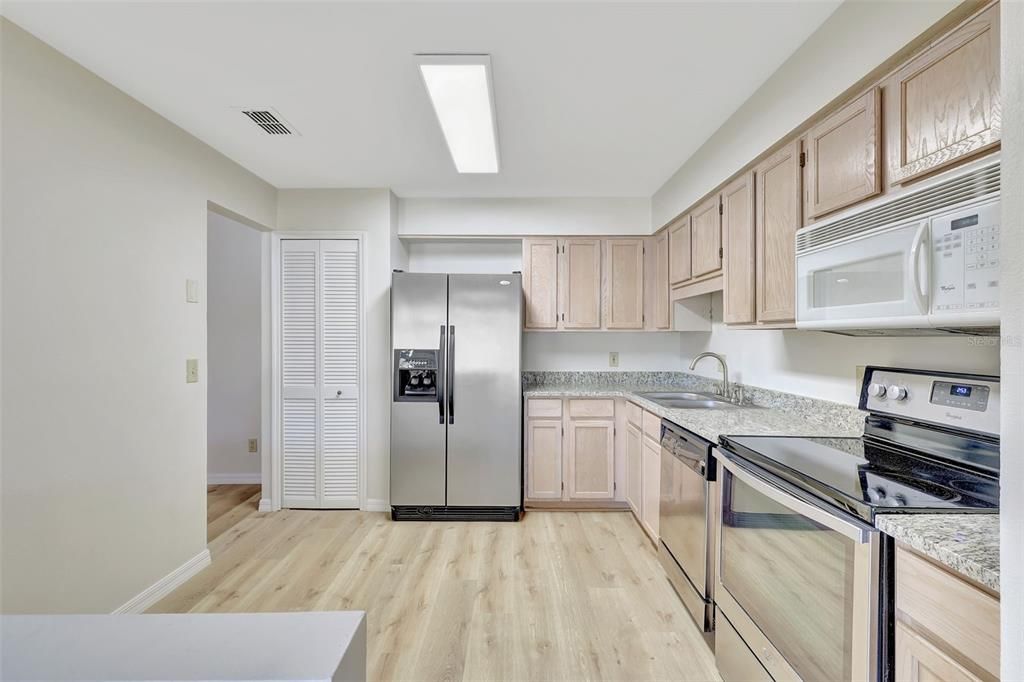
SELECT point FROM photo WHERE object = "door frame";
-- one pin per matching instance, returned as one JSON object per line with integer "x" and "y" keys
{"x": 272, "y": 473}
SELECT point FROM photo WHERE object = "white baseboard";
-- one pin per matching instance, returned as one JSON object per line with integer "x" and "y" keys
{"x": 223, "y": 479}
{"x": 376, "y": 505}
{"x": 163, "y": 587}
{"x": 265, "y": 505}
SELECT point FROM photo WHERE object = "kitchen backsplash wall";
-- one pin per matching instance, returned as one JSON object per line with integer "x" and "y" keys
{"x": 588, "y": 351}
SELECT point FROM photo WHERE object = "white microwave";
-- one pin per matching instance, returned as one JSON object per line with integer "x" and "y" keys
{"x": 925, "y": 262}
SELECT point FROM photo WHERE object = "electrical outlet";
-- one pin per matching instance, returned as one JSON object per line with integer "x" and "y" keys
{"x": 254, "y": 445}
{"x": 192, "y": 291}
{"x": 191, "y": 371}
{"x": 613, "y": 359}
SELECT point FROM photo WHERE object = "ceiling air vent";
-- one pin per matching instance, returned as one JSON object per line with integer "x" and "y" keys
{"x": 269, "y": 121}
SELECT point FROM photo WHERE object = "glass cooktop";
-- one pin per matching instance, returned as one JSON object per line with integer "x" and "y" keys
{"x": 864, "y": 477}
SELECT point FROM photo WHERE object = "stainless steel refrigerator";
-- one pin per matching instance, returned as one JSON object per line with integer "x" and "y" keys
{"x": 456, "y": 409}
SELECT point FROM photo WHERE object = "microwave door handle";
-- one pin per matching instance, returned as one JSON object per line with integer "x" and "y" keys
{"x": 919, "y": 288}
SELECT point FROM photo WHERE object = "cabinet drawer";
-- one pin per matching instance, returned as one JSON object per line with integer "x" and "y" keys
{"x": 634, "y": 414}
{"x": 652, "y": 426}
{"x": 544, "y": 407}
{"x": 961, "y": 615}
{"x": 591, "y": 408}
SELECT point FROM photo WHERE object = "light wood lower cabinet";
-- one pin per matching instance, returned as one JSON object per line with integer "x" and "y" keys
{"x": 651, "y": 488}
{"x": 947, "y": 629}
{"x": 634, "y": 467}
{"x": 570, "y": 450}
{"x": 643, "y": 466}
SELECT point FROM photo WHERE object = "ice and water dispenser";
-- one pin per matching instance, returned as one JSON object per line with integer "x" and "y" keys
{"x": 416, "y": 375}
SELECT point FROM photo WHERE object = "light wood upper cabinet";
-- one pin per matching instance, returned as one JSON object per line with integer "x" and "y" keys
{"x": 777, "y": 218}
{"x": 540, "y": 283}
{"x": 634, "y": 464}
{"x": 624, "y": 290}
{"x": 544, "y": 459}
{"x": 662, "y": 311}
{"x": 679, "y": 251}
{"x": 739, "y": 266}
{"x": 591, "y": 471}
{"x": 844, "y": 156}
{"x": 944, "y": 105}
{"x": 580, "y": 284}
{"x": 706, "y": 238}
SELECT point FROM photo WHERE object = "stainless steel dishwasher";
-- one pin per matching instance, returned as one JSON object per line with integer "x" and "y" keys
{"x": 686, "y": 513}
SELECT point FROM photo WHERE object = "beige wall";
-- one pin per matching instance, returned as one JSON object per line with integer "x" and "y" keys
{"x": 104, "y": 218}
{"x": 1012, "y": 263}
{"x": 858, "y": 37}
{"x": 369, "y": 211}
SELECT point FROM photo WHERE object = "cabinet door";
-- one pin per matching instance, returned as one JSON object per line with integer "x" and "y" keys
{"x": 679, "y": 251}
{"x": 651, "y": 488}
{"x": 738, "y": 231}
{"x": 544, "y": 459}
{"x": 706, "y": 247}
{"x": 843, "y": 156}
{"x": 634, "y": 468}
{"x": 591, "y": 471}
{"x": 540, "y": 283}
{"x": 777, "y": 218}
{"x": 918, "y": 660}
{"x": 580, "y": 284}
{"x": 662, "y": 311}
{"x": 624, "y": 284}
{"x": 945, "y": 105}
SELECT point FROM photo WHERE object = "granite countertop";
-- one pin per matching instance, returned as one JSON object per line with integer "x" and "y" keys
{"x": 967, "y": 543}
{"x": 784, "y": 417}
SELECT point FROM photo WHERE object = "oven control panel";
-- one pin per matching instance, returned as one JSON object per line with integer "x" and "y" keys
{"x": 950, "y": 399}
{"x": 965, "y": 260}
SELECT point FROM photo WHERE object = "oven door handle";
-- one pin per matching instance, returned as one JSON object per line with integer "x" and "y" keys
{"x": 920, "y": 292}
{"x": 858, "y": 532}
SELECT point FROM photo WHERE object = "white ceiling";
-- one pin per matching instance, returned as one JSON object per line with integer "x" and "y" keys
{"x": 592, "y": 98}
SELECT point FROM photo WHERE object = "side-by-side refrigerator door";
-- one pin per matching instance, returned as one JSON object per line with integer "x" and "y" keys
{"x": 485, "y": 390}
{"x": 419, "y": 330}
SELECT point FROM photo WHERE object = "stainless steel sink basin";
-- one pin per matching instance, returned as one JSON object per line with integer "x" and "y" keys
{"x": 682, "y": 400}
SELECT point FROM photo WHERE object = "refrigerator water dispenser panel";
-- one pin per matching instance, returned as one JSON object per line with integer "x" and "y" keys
{"x": 416, "y": 375}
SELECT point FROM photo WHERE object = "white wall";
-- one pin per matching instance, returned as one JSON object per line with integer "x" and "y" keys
{"x": 369, "y": 211}
{"x": 523, "y": 217}
{"x": 104, "y": 444}
{"x": 824, "y": 365}
{"x": 859, "y": 36}
{"x": 233, "y": 349}
{"x": 588, "y": 351}
{"x": 1011, "y": 502}
{"x": 474, "y": 256}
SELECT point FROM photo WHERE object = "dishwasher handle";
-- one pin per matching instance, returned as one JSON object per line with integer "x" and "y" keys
{"x": 689, "y": 453}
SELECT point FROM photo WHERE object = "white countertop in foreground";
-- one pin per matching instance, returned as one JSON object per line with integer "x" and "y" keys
{"x": 215, "y": 646}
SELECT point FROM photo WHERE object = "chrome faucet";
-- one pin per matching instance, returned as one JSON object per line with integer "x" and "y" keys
{"x": 725, "y": 371}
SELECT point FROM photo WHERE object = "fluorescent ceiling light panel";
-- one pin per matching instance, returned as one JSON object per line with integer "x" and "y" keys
{"x": 461, "y": 91}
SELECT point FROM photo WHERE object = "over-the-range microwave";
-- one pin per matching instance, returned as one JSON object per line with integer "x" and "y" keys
{"x": 923, "y": 263}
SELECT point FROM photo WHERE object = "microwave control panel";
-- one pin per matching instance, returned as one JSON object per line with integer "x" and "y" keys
{"x": 965, "y": 260}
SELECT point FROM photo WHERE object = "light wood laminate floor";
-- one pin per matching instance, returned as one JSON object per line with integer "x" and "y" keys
{"x": 558, "y": 596}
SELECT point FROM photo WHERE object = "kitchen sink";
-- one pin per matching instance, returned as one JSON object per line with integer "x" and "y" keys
{"x": 683, "y": 400}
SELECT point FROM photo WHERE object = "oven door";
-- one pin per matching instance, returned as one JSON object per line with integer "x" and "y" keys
{"x": 798, "y": 582}
{"x": 880, "y": 280}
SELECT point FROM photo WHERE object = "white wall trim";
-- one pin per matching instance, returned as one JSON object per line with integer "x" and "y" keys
{"x": 163, "y": 587}
{"x": 276, "y": 488}
{"x": 376, "y": 505}
{"x": 229, "y": 479}
{"x": 265, "y": 505}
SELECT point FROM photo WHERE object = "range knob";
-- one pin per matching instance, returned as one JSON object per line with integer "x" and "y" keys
{"x": 897, "y": 392}
{"x": 876, "y": 390}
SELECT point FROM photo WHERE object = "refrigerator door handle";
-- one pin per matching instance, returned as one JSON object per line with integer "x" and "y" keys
{"x": 440, "y": 377}
{"x": 450, "y": 369}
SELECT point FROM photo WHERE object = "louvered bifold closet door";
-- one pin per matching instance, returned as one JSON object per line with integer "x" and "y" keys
{"x": 320, "y": 337}
{"x": 339, "y": 286}
{"x": 299, "y": 394}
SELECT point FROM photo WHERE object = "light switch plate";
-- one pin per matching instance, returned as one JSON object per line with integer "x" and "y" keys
{"x": 254, "y": 445}
{"x": 613, "y": 359}
{"x": 192, "y": 291}
{"x": 191, "y": 371}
